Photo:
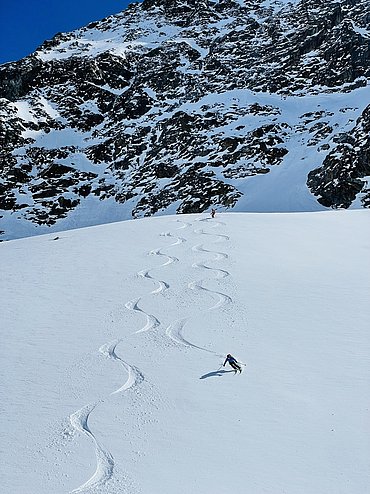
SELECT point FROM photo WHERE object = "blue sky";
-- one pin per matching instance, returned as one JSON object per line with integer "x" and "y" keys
{"x": 24, "y": 25}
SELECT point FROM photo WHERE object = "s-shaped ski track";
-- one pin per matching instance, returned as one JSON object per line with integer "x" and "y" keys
{"x": 175, "y": 329}
{"x": 104, "y": 460}
{"x": 151, "y": 321}
{"x": 79, "y": 419}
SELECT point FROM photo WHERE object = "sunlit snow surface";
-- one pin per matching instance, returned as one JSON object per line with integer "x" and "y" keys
{"x": 113, "y": 339}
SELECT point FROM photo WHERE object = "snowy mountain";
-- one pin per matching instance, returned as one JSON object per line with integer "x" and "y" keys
{"x": 112, "y": 345}
{"x": 177, "y": 105}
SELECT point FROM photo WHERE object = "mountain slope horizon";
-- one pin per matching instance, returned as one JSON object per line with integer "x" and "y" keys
{"x": 176, "y": 106}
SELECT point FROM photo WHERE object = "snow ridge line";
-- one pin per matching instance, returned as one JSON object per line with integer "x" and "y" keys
{"x": 174, "y": 330}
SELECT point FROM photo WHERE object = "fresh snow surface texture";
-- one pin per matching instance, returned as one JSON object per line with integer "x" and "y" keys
{"x": 113, "y": 337}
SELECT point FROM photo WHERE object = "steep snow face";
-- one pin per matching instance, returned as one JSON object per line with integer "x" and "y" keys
{"x": 113, "y": 340}
{"x": 183, "y": 105}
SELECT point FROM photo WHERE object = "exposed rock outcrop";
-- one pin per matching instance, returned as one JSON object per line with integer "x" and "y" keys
{"x": 174, "y": 105}
{"x": 341, "y": 176}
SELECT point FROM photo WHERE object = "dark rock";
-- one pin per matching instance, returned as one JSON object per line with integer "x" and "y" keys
{"x": 337, "y": 182}
{"x": 140, "y": 112}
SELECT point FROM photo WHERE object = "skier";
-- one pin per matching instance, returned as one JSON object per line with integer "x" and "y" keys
{"x": 233, "y": 362}
{"x": 213, "y": 212}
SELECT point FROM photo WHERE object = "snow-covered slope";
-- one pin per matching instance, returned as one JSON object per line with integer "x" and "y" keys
{"x": 112, "y": 343}
{"x": 178, "y": 105}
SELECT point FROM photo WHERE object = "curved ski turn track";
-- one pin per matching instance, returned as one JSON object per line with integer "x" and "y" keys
{"x": 104, "y": 460}
{"x": 105, "y": 463}
{"x": 175, "y": 329}
{"x": 79, "y": 419}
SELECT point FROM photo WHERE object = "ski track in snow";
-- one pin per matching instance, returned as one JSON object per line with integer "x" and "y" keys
{"x": 220, "y": 273}
{"x": 104, "y": 460}
{"x": 151, "y": 321}
{"x": 79, "y": 419}
{"x": 135, "y": 376}
{"x": 174, "y": 330}
{"x": 145, "y": 273}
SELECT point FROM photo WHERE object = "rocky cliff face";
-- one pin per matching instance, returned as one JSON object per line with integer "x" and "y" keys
{"x": 180, "y": 105}
{"x": 337, "y": 182}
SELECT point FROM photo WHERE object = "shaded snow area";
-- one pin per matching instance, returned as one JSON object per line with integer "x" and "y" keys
{"x": 113, "y": 339}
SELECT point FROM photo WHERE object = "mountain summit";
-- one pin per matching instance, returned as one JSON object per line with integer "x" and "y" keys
{"x": 177, "y": 106}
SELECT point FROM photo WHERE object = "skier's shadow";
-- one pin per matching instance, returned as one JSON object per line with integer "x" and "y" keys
{"x": 218, "y": 373}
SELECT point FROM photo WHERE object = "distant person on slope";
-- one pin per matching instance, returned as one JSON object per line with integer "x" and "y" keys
{"x": 213, "y": 213}
{"x": 233, "y": 362}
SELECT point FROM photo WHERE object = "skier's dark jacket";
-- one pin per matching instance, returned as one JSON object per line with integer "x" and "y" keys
{"x": 231, "y": 360}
